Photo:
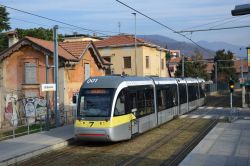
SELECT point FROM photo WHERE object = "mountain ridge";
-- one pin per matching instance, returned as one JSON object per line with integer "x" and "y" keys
{"x": 208, "y": 49}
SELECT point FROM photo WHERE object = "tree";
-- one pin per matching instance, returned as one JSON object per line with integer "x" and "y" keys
{"x": 4, "y": 26}
{"x": 225, "y": 66}
{"x": 194, "y": 68}
{"x": 4, "y": 20}
{"x": 40, "y": 33}
{"x": 3, "y": 41}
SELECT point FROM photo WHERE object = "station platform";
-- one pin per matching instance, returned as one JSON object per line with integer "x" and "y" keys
{"x": 24, "y": 147}
{"x": 228, "y": 144}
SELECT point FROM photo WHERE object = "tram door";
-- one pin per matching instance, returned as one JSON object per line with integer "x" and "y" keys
{"x": 132, "y": 106}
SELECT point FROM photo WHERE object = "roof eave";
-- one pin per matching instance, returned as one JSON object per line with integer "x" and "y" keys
{"x": 132, "y": 45}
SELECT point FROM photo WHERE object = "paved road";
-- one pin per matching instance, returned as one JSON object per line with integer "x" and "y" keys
{"x": 208, "y": 112}
{"x": 222, "y": 99}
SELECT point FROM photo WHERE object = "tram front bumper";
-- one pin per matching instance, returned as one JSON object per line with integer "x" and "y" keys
{"x": 91, "y": 134}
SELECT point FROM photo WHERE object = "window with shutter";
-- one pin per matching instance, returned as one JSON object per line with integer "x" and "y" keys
{"x": 162, "y": 64}
{"x": 30, "y": 73}
{"x": 127, "y": 62}
{"x": 147, "y": 62}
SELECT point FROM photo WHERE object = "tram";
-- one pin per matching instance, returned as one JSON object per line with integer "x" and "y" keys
{"x": 116, "y": 108}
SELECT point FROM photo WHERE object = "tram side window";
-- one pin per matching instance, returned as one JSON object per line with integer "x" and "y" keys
{"x": 202, "y": 94}
{"x": 183, "y": 93}
{"x": 191, "y": 92}
{"x": 175, "y": 95}
{"x": 196, "y": 91}
{"x": 145, "y": 102}
{"x": 171, "y": 96}
{"x": 161, "y": 98}
{"x": 149, "y": 96}
{"x": 167, "y": 97}
{"x": 120, "y": 104}
{"x": 130, "y": 101}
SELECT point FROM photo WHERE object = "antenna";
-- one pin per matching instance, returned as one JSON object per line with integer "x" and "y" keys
{"x": 119, "y": 27}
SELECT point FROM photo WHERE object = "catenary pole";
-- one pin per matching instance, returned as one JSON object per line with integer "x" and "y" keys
{"x": 47, "y": 93}
{"x": 183, "y": 70}
{"x": 216, "y": 76}
{"x": 56, "y": 97}
{"x": 135, "y": 45}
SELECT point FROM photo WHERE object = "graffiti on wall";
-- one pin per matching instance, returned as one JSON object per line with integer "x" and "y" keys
{"x": 10, "y": 110}
{"x": 16, "y": 109}
{"x": 34, "y": 108}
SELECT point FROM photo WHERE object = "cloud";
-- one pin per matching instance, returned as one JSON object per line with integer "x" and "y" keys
{"x": 105, "y": 15}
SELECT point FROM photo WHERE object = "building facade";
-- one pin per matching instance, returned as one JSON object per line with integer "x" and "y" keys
{"x": 146, "y": 60}
{"x": 23, "y": 70}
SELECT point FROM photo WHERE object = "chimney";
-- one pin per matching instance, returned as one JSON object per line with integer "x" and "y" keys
{"x": 12, "y": 37}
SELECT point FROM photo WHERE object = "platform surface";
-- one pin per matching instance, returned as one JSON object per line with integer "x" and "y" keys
{"x": 227, "y": 144}
{"x": 20, "y": 148}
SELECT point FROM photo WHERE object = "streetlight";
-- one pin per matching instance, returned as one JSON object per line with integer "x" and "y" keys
{"x": 135, "y": 45}
{"x": 241, "y": 10}
{"x": 238, "y": 11}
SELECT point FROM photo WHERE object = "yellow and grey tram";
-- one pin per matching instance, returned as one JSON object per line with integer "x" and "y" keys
{"x": 115, "y": 108}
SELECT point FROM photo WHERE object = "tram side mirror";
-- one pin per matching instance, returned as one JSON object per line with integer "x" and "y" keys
{"x": 74, "y": 99}
{"x": 134, "y": 110}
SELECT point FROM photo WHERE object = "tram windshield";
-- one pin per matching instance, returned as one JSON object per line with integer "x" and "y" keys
{"x": 95, "y": 103}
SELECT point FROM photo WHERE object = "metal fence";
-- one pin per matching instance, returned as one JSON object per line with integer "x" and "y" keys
{"x": 29, "y": 125}
{"x": 220, "y": 87}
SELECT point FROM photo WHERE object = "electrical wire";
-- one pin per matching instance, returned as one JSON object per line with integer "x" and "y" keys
{"x": 218, "y": 20}
{"x": 230, "y": 21}
{"x": 67, "y": 29}
{"x": 213, "y": 29}
{"x": 61, "y": 22}
{"x": 169, "y": 28}
{"x": 35, "y": 23}
{"x": 207, "y": 23}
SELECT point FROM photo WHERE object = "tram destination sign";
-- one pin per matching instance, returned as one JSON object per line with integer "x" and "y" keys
{"x": 48, "y": 87}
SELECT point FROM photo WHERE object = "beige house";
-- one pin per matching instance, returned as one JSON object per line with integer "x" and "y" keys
{"x": 148, "y": 60}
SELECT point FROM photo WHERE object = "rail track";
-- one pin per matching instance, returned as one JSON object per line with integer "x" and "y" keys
{"x": 68, "y": 151}
{"x": 180, "y": 154}
{"x": 183, "y": 152}
{"x": 129, "y": 152}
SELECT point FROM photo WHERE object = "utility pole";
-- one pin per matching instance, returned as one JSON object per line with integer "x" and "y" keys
{"x": 183, "y": 66}
{"x": 47, "y": 93}
{"x": 56, "y": 97}
{"x": 231, "y": 88}
{"x": 135, "y": 45}
{"x": 216, "y": 76}
{"x": 243, "y": 87}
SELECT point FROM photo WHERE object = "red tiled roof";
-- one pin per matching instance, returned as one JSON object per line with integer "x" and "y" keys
{"x": 71, "y": 51}
{"x": 50, "y": 46}
{"x": 119, "y": 40}
{"x": 75, "y": 48}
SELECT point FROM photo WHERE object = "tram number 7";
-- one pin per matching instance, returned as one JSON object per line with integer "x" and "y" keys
{"x": 91, "y": 124}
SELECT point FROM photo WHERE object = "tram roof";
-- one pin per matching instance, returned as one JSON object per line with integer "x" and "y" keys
{"x": 164, "y": 80}
{"x": 115, "y": 81}
{"x": 112, "y": 81}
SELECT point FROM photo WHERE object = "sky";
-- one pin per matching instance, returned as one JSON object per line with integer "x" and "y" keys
{"x": 104, "y": 16}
